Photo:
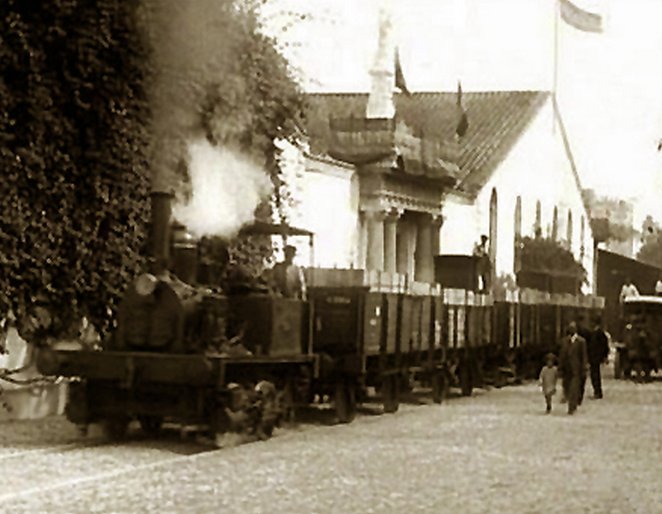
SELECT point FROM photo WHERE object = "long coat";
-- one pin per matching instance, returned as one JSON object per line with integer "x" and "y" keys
{"x": 574, "y": 360}
{"x": 577, "y": 356}
{"x": 598, "y": 347}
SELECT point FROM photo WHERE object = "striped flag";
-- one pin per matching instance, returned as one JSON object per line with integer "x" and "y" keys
{"x": 463, "y": 123}
{"x": 399, "y": 76}
{"x": 579, "y": 18}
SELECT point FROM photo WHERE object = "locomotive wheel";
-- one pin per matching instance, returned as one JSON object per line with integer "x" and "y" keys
{"x": 345, "y": 401}
{"x": 391, "y": 393}
{"x": 151, "y": 425}
{"x": 115, "y": 429}
{"x": 439, "y": 387}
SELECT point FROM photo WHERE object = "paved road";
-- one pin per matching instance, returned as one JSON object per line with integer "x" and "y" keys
{"x": 496, "y": 452}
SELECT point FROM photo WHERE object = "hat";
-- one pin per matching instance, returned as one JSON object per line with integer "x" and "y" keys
{"x": 290, "y": 249}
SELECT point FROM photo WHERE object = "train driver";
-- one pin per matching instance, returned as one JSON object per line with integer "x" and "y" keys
{"x": 288, "y": 278}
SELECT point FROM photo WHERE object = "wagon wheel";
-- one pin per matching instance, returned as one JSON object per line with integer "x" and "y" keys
{"x": 271, "y": 409}
{"x": 151, "y": 425}
{"x": 115, "y": 428}
{"x": 345, "y": 401}
{"x": 288, "y": 402}
{"x": 466, "y": 378}
{"x": 618, "y": 368}
{"x": 391, "y": 393}
{"x": 439, "y": 386}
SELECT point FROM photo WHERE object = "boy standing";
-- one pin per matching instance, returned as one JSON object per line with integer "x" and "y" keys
{"x": 548, "y": 380}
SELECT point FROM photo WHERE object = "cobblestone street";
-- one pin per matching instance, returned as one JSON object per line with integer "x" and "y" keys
{"x": 496, "y": 452}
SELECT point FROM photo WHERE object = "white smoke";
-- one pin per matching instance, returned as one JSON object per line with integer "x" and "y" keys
{"x": 226, "y": 187}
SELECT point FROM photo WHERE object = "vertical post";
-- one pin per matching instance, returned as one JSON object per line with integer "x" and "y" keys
{"x": 556, "y": 58}
{"x": 556, "y": 48}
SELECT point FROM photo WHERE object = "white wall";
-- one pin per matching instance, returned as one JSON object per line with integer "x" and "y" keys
{"x": 325, "y": 200}
{"x": 537, "y": 168}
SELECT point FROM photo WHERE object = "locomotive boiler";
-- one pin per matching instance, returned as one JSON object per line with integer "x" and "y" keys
{"x": 186, "y": 353}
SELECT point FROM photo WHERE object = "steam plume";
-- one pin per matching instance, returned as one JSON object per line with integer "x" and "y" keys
{"x": 225, "y": 189}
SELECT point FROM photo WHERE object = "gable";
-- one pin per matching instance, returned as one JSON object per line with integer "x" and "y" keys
{"x": 497, "y": 119}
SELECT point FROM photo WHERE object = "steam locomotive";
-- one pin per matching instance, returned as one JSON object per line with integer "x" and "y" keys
{"x": 222, "y": 361}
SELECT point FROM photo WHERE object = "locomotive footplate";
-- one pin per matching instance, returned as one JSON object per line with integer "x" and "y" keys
{"x": 113, "y": 388}
{"x": 129, "y": 368}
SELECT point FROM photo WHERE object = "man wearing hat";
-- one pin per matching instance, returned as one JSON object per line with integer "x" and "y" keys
{"x": 483, "y": 265}
{"x": 573, "y": 362}
{"x": 288, "y": 277}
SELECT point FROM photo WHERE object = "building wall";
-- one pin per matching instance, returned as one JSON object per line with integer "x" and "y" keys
{"x": 325, "y": 200}
{"x": 538, "y": 170}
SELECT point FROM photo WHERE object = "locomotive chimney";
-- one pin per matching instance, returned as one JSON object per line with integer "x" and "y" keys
{"x": 161, "y": 211}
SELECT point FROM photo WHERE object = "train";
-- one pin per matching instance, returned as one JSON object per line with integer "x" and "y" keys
{"x": 219, "y": 361}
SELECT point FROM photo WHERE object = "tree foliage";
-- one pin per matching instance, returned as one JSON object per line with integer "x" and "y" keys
{"x": 548, "y": 256}
{"x": 252, "y": 108}
{"x": 76, "y": 141}
{"x": 651, "y": 249}
{"x": 72, "y": 139}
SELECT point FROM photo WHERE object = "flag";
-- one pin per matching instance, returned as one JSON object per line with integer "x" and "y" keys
{"x": 578, "y": 18}
{"x": 399, "y": 76}
{"x": 463, "y": 122}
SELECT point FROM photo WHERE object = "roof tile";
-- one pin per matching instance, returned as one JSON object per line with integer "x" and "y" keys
{"x": 497, "y": 119}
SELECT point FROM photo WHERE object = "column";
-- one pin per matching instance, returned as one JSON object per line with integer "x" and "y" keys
{"x": 424, "y": 264}
{"x": 375, "y": 257}
{"x": 402, "y": 247}
{"x": 390, "y": 241}
{"x": 362, "y": 241}
{"x": 406, "y": 243}
{"x": 437, "y": 222}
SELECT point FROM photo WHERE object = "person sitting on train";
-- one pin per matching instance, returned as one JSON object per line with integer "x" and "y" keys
{"x": 658, "y": 287}
{"x": 629, "y": 290}
{"x": 288, "y": 278}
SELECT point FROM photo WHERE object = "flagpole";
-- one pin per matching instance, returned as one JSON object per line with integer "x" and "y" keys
{"x": 556, "y": 47}
{"x": 556, "y": 59}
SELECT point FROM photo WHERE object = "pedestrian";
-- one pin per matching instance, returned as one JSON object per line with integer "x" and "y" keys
{"x": 584, "y": 330}
{"x": 598, "y": 352}
{"x": 564, "y": 364}
{"x": 573, "y": 362}
{"x": 548, "y": 376}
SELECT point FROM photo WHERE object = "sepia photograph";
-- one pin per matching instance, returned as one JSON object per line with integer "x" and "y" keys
{"x": 330, "y": 256}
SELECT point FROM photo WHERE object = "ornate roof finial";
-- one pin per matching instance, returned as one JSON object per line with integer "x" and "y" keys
{"x": 380, "y": 102}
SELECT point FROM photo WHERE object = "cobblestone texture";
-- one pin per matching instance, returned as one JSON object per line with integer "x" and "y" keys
{"x": 496, "y": 452}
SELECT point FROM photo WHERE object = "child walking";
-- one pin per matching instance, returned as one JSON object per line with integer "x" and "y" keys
{"x": 548, "y": 377}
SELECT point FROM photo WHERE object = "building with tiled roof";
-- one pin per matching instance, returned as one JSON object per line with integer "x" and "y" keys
{"x": 512, "y": 174}
{"x": 389, "y": 181}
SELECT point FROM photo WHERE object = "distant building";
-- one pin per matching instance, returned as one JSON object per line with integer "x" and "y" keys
{"x": 620, "y": 214}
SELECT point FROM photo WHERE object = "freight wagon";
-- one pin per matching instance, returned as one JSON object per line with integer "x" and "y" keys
{"x": 217, "y": 360}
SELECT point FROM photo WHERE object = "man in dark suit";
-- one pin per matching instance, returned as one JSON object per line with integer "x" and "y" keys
{"x": 598, "y": 352}
{"x": 573, "y": 360}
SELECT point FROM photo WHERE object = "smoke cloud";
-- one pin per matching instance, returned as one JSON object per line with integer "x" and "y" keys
{"x": 194, "y": 47}
{"x": 224, "y": 191}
